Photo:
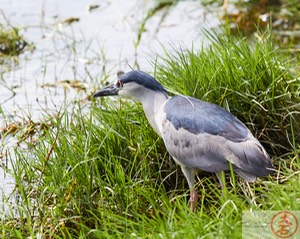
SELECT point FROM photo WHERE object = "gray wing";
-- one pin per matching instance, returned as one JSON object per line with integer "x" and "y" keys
{"x": 198, "y": 117}
{"x": 205, "y": 136}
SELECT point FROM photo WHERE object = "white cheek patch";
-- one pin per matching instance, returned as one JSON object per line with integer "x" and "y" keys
{"x": 132, "y": 90}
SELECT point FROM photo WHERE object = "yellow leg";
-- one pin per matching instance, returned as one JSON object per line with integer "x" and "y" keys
{"x": 193, "y": 199}
{"x": 190, "y": 173}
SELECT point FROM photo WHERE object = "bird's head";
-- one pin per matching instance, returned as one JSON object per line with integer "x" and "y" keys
{"x": 134, "y": 84}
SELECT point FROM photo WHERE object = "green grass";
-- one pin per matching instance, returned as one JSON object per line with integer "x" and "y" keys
{"x": 106, "y": 174}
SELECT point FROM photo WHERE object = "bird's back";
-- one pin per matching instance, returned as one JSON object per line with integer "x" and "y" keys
{"x": 205, "y": 136}
{"x": 198, "y": 117}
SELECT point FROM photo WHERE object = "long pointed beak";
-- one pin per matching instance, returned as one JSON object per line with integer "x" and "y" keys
{"x": 107, "y": 90}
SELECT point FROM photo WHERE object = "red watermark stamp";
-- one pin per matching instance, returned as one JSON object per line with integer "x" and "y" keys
{"x": 284, "y": 224}
{"x": 259, "y": 224}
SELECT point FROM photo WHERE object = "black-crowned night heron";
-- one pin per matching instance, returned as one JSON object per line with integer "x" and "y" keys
{"x": 197, "y": 134}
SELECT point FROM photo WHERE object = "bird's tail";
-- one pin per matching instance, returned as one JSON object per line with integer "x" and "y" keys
{"x": 251, "y": 159}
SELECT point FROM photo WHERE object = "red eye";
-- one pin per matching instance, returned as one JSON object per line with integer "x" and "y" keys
{"x": 120, "y": 84}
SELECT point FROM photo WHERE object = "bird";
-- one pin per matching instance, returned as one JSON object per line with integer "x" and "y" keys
{"x": 199, "y": 135}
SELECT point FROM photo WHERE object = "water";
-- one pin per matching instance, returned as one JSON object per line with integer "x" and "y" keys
{"x": 99, "y": 44}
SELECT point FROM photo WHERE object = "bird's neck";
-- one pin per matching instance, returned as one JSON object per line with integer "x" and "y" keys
{"x": 152, "y": 104}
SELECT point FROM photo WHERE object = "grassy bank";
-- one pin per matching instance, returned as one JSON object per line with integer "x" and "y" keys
{"x": 106, "y": 174}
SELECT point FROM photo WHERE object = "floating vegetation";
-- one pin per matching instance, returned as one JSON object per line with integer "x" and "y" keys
{"x": 27, "y": 130}
{"x": 11, "y": 42}
{"x": 11, "y": 129}
{"x": 93, "y": 7}
{"x": 71, "y": 20}
{"x": 75, "y": 84}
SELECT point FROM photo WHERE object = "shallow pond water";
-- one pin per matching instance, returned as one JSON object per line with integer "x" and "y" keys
{"x": 100, "y": 43}
{"x": 78, "y": 44}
